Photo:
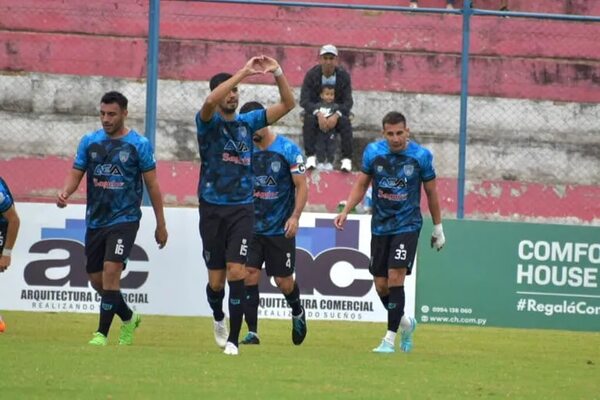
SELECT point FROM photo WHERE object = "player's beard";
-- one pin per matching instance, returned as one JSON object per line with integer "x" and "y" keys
{"x": 112, "y": 129}
{"x": 229, "y": 108}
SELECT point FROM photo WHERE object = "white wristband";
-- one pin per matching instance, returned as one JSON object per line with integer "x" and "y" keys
{"x": 437, "y": 229}
{"x": 278, "y": 72}
{"x": 7, "y": 252}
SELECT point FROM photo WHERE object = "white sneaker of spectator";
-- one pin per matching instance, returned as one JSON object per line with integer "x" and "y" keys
{"x": 346, "y": 165}
{"x": 321, "y": 166}
{"x": 311, "y": 162}
{"x": 328, "y": 166}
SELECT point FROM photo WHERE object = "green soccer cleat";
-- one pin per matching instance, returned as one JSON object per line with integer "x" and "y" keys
{"x": 406, "y": 342}
{"x": 251, "y": 338}
{"x": 299, "y": 328}
{"x": 127, "y": 329}
{"x": 384, "y": 347}
{"x": 98, "y": 339}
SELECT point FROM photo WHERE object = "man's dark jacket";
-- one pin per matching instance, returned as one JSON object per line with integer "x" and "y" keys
{"x": 311, "y": 88}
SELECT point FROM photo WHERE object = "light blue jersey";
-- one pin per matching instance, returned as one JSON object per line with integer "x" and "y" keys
{"x": 114, "y": 169}
{"x": 274, "y": 189}
{"x": 226, "y": 157}
{"x": 397, "y": 179}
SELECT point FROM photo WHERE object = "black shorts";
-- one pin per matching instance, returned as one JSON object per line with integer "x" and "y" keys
{"x": 393, "y": 251}
{"x": 278, "y": 253}
{"x": 110, "y": 243}
{"x": 226, "y": 232}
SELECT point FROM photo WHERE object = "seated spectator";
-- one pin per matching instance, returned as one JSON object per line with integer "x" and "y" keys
{"x": 327, "y": 72}
{"x": 325, "y": 145}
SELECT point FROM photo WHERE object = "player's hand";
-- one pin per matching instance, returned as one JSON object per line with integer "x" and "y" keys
{"x": 437, "y": 237}
{"x": 291, "y": 227}
{"x": 61, "y": 199}
{"x": 269, "y": 64}
{"x": 254, "y": 66}
{"x": 161, "y": 236}
{"x": 4, "y": 263}
{"x": 339, "y": 221}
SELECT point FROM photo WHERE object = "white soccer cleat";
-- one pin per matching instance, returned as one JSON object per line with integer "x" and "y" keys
{"x": 221, "y": 332}
{"x": 346, "y": 165}
{"x": 231, "y": 349}
{"x": 311, "y": 162}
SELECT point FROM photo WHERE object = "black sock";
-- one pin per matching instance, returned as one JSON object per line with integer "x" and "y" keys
{"x": 385, "y": 300}
{"x": 293, "y": 300}
{"x": 251, "y": 308}
{"x": 236, "y": 309}
{"x": 215, "y": 301}
{"x": 395, "y": 307}
{"x": 108, "y": 306}
{"x": 123, "y": 310}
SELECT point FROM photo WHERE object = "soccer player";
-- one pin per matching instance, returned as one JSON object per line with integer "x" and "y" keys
{"x": 9, "y": 229}
{"x": 9, "y": 225}
{"x": 280, "y": 193}
{"x": 226, "y": 187}
{"x": 116, "y": 159}
{"x": 397, "y": 167}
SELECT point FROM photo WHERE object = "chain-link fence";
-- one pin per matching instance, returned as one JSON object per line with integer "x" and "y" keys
{"x": 533, "y": 140}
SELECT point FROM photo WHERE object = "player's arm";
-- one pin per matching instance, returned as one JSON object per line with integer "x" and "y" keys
{"x": 70, "y": 186}
{"x": 301, "y": 185}
{"x": 151, "y": 181}
{"x": 220, "y": 92}
{"x": 11, "y": 236}
{"x": 357, "y": 193}
{"x": 437, "y": 237}
{"x": 286, "y": 97}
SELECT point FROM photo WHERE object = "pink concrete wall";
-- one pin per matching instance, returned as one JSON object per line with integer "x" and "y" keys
{"x": 385, "y": 51}
{"x": 179, "y": 180}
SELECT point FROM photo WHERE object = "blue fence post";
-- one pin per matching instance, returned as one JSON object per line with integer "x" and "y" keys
{"x": 152, "y": 78}
{"x": 464, "y": 92}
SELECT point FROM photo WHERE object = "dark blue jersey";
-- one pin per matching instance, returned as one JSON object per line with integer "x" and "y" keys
{"x": 114, "y": 169}
{"x": 397, "y": 179}
{"x": 274, "y": 189}
{"x": 226, "y": 157}
{"x": 6, "y": 200}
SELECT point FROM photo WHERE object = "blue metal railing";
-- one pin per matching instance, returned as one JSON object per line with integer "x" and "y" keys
{"x": 467, "y": 12}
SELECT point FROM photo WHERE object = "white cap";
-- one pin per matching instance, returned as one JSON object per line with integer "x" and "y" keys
{"x": 328, "y": 49}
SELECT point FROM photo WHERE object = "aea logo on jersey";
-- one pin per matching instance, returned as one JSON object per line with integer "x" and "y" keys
{"x": 107, "y": 170}
{"x": 240, "y": 147}
{"x": 265, "y": 180}
{"x": 392, "y": 182}
{"x": 70, "y": 239}
{"x": 318, "y": 249}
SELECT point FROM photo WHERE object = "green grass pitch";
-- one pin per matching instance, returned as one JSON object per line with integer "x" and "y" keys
{"x": 45, "y": 356}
